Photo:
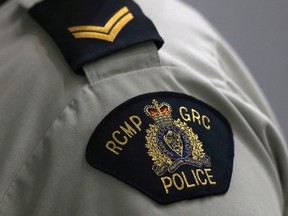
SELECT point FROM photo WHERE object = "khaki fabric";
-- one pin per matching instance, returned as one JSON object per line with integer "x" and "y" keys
{"x": 47, "y": 115}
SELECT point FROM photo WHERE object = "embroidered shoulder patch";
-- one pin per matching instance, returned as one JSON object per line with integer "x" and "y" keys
{"x": 168, "y": 145}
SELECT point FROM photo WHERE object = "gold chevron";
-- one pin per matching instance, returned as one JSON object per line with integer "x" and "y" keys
{"x": 108, "y": 37}
{"x": 108, "y": 32}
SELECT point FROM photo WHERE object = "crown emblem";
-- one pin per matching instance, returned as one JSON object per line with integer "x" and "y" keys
{"x": 160, "y": 113}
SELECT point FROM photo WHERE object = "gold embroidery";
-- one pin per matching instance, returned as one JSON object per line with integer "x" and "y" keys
{"x": 108, "y": 32}
{"x": 121, "y": 137}
{"x": 195, "y": 117}
{"x": 181, "y": 181}
{"x": 172, "y": 143}
{"x": 160, "y": 159}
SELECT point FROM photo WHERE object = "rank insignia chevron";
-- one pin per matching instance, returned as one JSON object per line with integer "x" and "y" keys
{"x": 108, "y": 32}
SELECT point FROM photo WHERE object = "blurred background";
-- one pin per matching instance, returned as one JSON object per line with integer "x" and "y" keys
{"x": 258, "y": 31}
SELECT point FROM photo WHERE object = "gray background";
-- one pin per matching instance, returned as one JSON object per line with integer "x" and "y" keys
{"x": 258, "y": 31}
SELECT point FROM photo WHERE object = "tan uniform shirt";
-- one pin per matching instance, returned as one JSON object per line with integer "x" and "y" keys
{"x": 47, "y": 115}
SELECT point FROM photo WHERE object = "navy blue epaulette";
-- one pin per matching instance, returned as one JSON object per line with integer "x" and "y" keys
{"x": 86, "y": 30}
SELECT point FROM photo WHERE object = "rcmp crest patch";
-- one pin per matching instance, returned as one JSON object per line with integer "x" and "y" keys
{"x": 168, "y": 145}
{"x": 172, "y": 143}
